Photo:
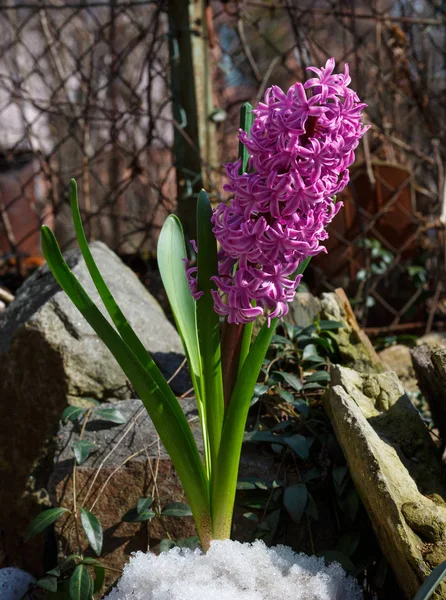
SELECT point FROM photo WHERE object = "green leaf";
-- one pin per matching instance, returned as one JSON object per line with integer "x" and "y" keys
{"x": 280, "y": 340}
{"x": 310, "y": 354}
{"x": 110, "y": 414}
{"x": 191, "y": 542}
{"x": 299, "y": 444}
{"x": 312, "y": 386}
{"x": 143, "y": 504}
{"x": 156, "y": 395}
{"x": 120, "y": 322}
{"x": 166, "y": 545}
{"x": 99, "y": 579}
{"x": 171, "y": 254}
{"x": 93, "y": 562}
{"x": 93, "y": 530}
{"x": 133, "y": 516}
{"x": 328, "y": 324}
{"x": 318, "y": 376}
{"x": 99, "y": 571}
{"x": 81, "y": 584}
{"x": 71, "y": 413}
{"x": 208, "y": 329}
{"x": 246, "y": 121}
{"x": 339, "y": 475}
{"x": 301, "y": 407}
{"x": 69, "y": 561}
{"x": 287, "y": 396}
{"x": 44, "y": 520}
{"x": 82, "y": 450}
{"x": 225, "y": 479}
{"x": 431, "y": 583}
{"x": 260, "y": 389}
{"x": 295, "y": 500}
{"x": 261, "y": 437}
{"x": 176, "y": 509}
{"x": 291, "y": 379}
{"x": 48, "y": 583}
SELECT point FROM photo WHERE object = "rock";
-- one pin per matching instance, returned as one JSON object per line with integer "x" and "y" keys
{"x": 398, "y": 358}
{"x": 125, "y": 468}
{"x": 14, "y": 583}
{"x": 303, "y": 309}
{"x": 395, "y": 468}
{"x": 49, "y": 356}
{"x": 430, "y": 369}
{"x": 356, "y": 350}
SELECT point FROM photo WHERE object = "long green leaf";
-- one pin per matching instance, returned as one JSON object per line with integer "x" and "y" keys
{"x": 160, "y": 402}
{"x": 93, "y": 530}
{"x": 246, "y": 120}
{"x": 81, "y": 584}
{"x": 208, "y": 326}
{"x": 225, "y": 481}
{"x": 431, "y": 583}
{"x": 44, "y": 520}
{"x": 171, "y": 255}
{"x": 122, "y": 325}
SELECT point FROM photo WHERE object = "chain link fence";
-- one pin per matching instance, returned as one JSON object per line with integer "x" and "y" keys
{"x": 140, "y": 102}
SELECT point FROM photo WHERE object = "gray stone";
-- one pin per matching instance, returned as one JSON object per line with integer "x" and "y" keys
{"x": 430, "y": 369}
{"x": 89, "y": 369}
{"x": 303, "y": 309}
{"x": 126, "y": 467}
{"x": 395, "y": 468}
{"x": 49, "y": 357}
{"x": 14, "y": 583}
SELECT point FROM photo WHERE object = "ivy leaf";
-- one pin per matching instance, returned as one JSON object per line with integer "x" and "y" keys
{"x": 299, "y": 444}
{"x": 143, "y": 504}
{"x": 291, "y": 379}
{"x": 99, "y": 571}
{"x": 166, "y": 545}
{"x": 295, "y": 500}
{"x": 310, "y": 354}
{"x": 99, "y": 579}
{"x": 71, "y": 413}
{"x": 110, "y": 414}
{"x": 93, "y": 530}
{"x": 287, "y": 396}
{"x": 82, "y": 450}
{"x": 81, "y": 584}
{"x": 313, "y": 386}
{"x": 176, "y": 509}
{"x": 301, "y": 406}
{"x": 133, "y": 516}
{"x": 318, "y": 376}
{"x": 49, "y": 583}
{"x": 44, "y": 520}
{"x": 328, "y": 324}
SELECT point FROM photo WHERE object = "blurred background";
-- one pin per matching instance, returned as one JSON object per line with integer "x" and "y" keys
{"x": 139, "y": 101}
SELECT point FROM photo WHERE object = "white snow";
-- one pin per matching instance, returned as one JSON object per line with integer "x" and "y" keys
{"x": 233, "y": 571}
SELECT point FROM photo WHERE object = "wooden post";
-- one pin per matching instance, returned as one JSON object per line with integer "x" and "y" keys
{"x": 195, "y": 147}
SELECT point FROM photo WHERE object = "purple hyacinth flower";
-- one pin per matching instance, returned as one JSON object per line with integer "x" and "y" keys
{"x": 301, "y": 145}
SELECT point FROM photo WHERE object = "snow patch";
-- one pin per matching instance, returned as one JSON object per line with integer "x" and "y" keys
{"x": 233, "y": 571}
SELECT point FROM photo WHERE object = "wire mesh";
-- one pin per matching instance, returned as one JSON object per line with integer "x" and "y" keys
{"x": 86, "y": 91}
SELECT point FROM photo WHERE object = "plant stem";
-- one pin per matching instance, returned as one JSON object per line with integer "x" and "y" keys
{"x": 231, "y": 344}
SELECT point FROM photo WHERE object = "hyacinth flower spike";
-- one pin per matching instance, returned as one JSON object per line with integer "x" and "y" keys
{"x": 294, "y": 153}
